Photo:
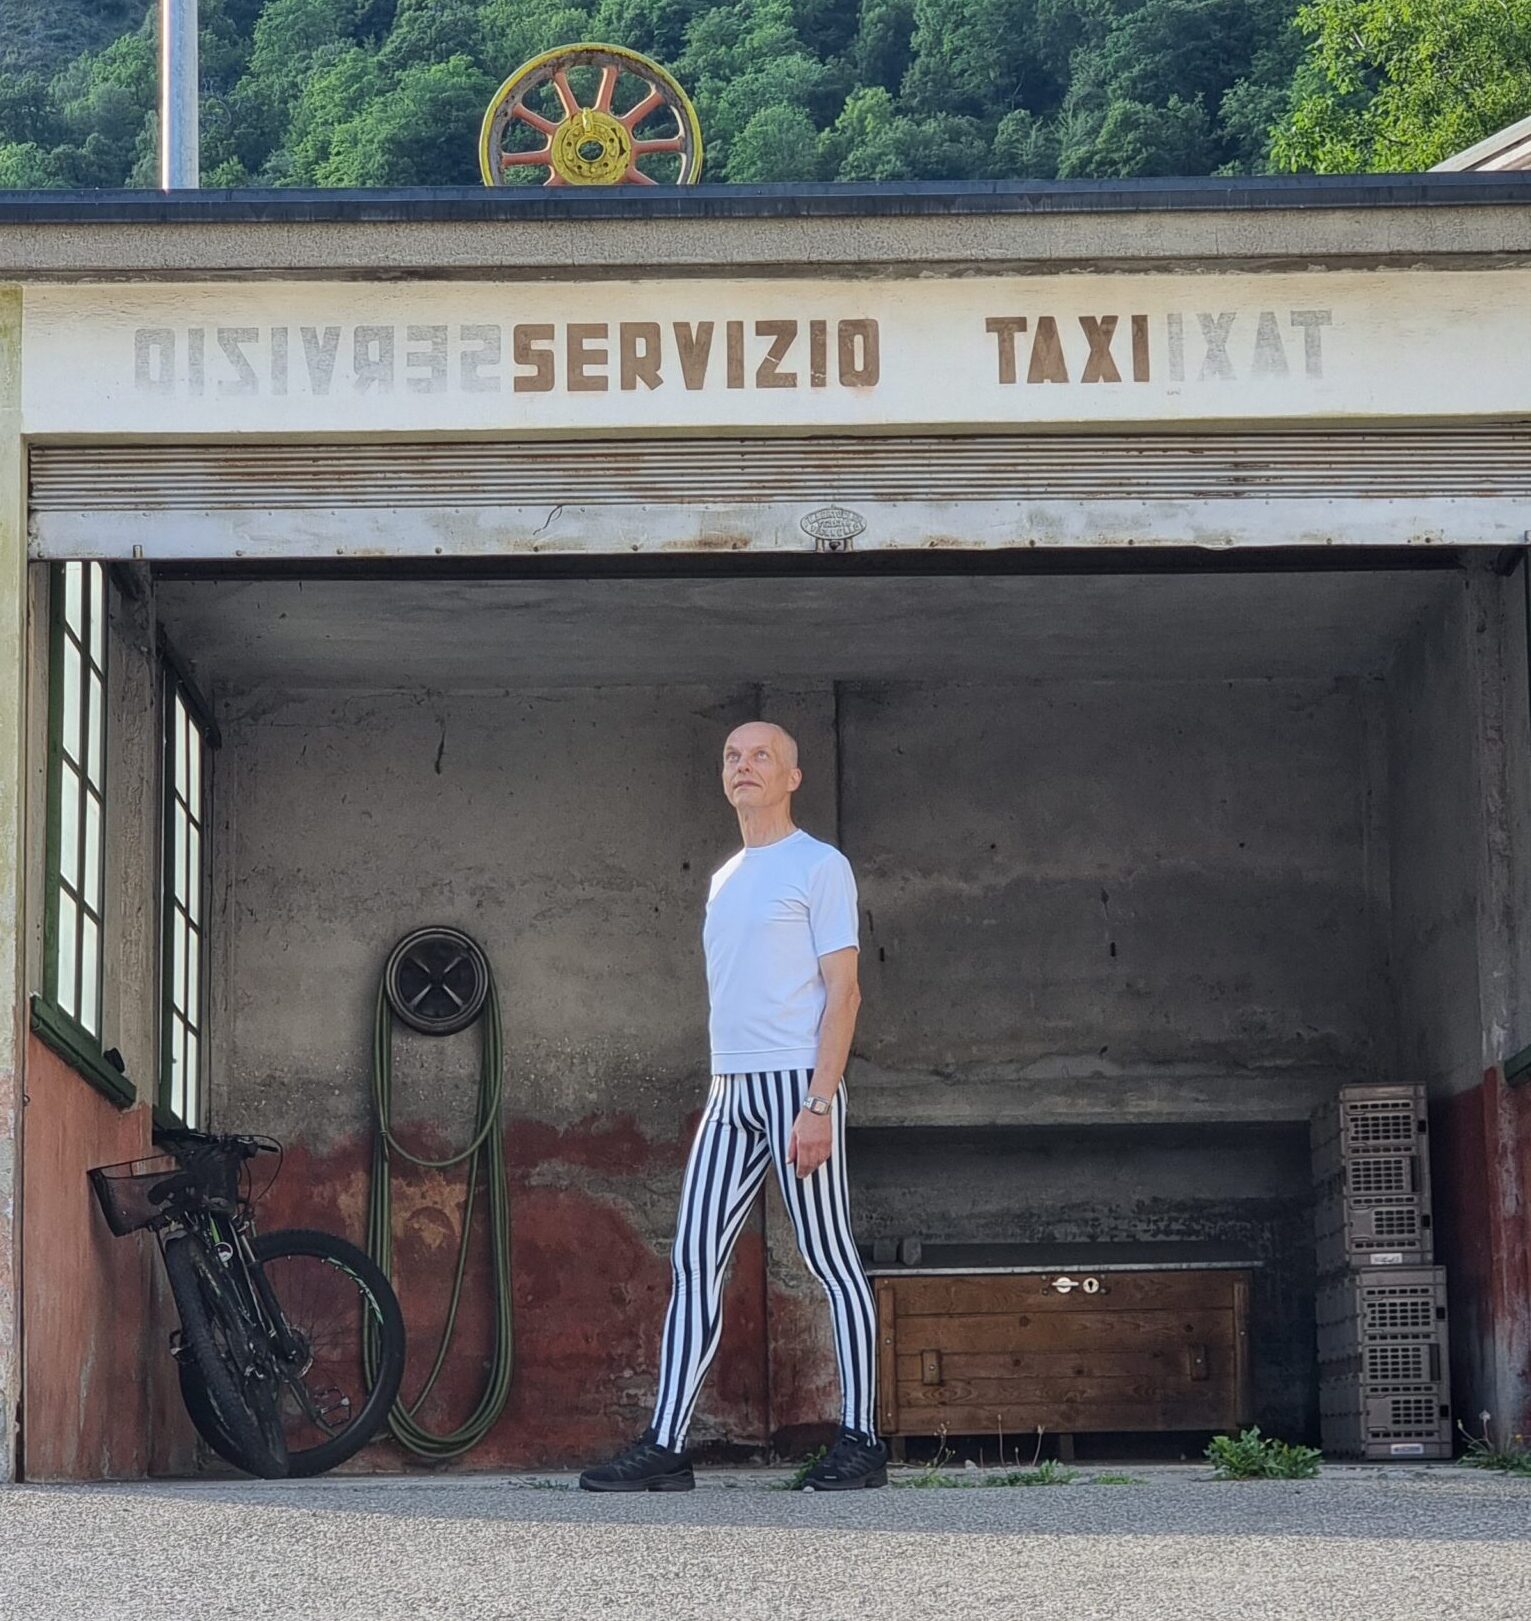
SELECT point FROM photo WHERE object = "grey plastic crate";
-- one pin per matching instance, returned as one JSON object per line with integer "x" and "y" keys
{"x": 1372, "y": 1176}
{"x": 1367, "y": 1233}
{"x": 1371, "y": 1120}
{"x": 1387, "y": 1365}
{"x": 1357, "y": 1421}
{"x": 1355, "y": 1309}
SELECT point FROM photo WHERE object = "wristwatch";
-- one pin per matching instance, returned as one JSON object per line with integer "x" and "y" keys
{"x": 816, "y": 1105}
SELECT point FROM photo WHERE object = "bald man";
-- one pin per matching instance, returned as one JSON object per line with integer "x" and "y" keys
{"x": 781, "y": 945}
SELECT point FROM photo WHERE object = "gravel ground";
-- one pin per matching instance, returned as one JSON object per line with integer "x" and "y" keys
{"x": 1411, "y": 1544}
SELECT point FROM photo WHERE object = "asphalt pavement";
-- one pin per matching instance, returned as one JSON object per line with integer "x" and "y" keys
{"x": 1409, "y": 1544}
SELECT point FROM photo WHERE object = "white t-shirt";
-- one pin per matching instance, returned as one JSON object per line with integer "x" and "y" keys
{"x": 772, "y": 911}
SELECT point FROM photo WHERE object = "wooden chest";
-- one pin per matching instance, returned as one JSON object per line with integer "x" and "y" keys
{"x": 974, "y": 1354}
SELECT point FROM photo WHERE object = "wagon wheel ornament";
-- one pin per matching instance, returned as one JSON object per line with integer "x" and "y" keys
{"x": 636, "y": 113}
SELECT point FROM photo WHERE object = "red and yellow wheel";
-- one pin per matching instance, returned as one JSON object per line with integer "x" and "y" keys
{"x": 590, "y": 115}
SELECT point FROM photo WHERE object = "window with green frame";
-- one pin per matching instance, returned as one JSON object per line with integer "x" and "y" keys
{"x": 188, "y": 741}
{"x": 67, "y": 1014}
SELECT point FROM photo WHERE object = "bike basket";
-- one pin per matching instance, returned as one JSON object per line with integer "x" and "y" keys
{"x": 123, "y": 1191}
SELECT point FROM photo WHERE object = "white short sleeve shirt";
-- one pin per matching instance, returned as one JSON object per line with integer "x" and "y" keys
{"x": 772, "y": 911}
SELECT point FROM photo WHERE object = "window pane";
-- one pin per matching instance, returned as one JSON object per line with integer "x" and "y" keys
{"x": 98, "y": 615}
{"x": 178, "y": 967}
{"x": 178, "y": 859}
{"x": 73, "y": 576}
{"x": 194, "y": 874}
{"x": 69, "y": 733}
{"x": 90, "y": 890}
{"x": 68, "y": 953}
{"x": 90, "y": 959}
{"x": 194, "y": 769}
{"x": 69, "y": 825}
{"x": 178, "y": 744}
{"x": 193, "y": 985}
{"x": 193, "y": 1084}
{"x": 176, "y": 1066}
{"x": 95, "y": 737}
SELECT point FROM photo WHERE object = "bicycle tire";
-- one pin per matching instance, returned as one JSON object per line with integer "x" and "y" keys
{"x": 371, "y": 1417}
{"x": 210, "y": 1324}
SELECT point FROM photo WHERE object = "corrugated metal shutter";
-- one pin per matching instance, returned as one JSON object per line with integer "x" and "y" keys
{"x": 1457, "y": 485}
{"x": 1385, "y": 463}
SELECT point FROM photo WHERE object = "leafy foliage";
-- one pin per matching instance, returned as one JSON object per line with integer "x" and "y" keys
{"x": 1485, "y": 1451}
{"x": 390, "y": 92}
{"x": 1401, "y": 84}
{"x": 1252, "y": 1456}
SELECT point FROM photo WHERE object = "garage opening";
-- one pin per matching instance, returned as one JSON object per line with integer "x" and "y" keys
{"x": 1151, "y": 863}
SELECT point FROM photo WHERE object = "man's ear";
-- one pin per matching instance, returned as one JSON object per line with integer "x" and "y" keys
{"x": 797, "y": 778}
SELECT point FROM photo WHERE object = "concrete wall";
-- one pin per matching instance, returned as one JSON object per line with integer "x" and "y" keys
{"x": 1083, "y": 902}
{"x": 1460, "y": 810}
{"x": 1109, "y": 900}
{"x": 571, "y": 834}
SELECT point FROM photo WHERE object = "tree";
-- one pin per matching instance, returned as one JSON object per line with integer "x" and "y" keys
{"x": 884, "y": 43}
{"x": 25, "y": 166}
{"x": 1136, "y": 139}
{"x": 741, "y": 59}
{"x": 374, "y": 92}
{"x": 413, "y": 134}
{"x": 1025, "y": 147}
{"x": 778, "y": 143}
{"x": 976, "y": 57}
{"x": 1401, "y": 84}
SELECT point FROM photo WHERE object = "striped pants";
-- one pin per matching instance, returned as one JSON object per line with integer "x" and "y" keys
{"x": 745, "y": 1130}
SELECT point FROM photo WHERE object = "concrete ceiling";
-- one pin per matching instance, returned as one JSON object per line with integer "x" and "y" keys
{"x": 477, "y": 635}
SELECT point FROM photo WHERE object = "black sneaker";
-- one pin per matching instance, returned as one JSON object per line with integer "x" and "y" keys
{"x": 854, "y": 1463}
{"x": 644, "y": 1467}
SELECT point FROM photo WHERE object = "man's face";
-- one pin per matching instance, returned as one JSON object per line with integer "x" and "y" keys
{"x": 758, "y": 771}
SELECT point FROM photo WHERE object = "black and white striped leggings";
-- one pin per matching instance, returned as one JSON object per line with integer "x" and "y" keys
{"x": 745, "y": 1129}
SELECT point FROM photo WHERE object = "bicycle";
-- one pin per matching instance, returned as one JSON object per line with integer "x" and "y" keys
{"x": 266, "y": 1319}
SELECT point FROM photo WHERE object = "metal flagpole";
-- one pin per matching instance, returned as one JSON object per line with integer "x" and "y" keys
{"x": 179, "y": 135}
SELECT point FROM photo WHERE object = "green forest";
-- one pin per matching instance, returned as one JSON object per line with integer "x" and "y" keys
{"x": 390, "y": 92}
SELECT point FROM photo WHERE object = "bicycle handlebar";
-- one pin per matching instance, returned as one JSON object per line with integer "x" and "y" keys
{"x": 185, "y": 1137}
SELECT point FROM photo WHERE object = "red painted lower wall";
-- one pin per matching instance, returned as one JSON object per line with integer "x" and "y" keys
{"x": 1481, "y": 1173}
{"x": 589, "y": 1292}
{"x": 97, "y": 1382}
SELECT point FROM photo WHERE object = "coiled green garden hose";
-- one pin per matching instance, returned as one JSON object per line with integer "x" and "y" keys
{"x": 485, "y": 1155}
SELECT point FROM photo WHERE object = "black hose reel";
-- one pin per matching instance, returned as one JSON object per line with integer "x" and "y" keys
{"x": 438, "y": 981}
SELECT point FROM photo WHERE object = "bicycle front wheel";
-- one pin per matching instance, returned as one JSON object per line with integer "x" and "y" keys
{"x": 329, "y": 1291}
{"x": 222, "y": 1358}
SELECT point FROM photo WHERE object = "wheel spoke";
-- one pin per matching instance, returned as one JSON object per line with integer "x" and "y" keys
{"x": 584, "y": 139}
{"x": 635, "y": 116}
{"x": 565, "y": 93}
{"x": 544, "y": 126}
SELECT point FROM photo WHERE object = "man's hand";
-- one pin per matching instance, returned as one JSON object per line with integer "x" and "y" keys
{"x": 812, "y": 1139}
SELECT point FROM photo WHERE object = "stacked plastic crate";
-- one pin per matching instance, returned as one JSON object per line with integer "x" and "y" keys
{"x": 1384, "y": 1383}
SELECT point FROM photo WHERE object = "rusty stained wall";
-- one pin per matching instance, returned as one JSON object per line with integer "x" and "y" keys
{"x": 572, "y": 832}
{"x": 98, "y": 1385}
{"x": 1459, "y": 758}
{"x": 99, "y": 1399}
